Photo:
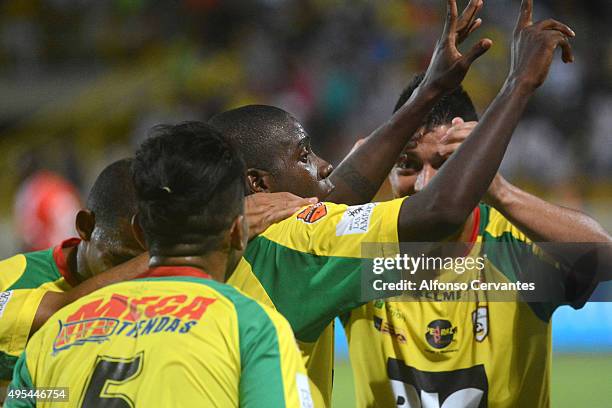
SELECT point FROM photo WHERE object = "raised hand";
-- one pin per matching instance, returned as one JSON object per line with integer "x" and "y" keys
{"x": 533, "y": 47}
{"x": 448, "y": 66}
{"x": 454, "y": 136}
{"x": 468, "y": 23}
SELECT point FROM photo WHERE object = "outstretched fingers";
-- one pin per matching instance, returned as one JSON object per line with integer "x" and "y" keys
{"x": 477, "y": 50}
{"x": 467, "y": 22}
{"x": 525, "y": 17}
{"x": 450, "y": 26}
{"x": 552, "y": 24}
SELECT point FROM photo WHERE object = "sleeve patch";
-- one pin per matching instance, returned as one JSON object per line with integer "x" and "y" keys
{"x": 313, "y": 213}
{"x": 4, "y": 299}
{"x": 355, "y": 220}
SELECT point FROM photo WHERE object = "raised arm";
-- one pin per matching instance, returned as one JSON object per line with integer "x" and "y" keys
{"x": 443, "y": 206}
{"x": 359, "y": 176}
{"x": 542, "y": 221}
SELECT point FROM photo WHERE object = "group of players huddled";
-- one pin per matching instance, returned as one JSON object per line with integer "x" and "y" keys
{"x": 202, "y": 278}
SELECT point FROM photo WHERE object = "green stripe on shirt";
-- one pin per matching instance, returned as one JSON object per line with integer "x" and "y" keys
{"x": 21, "y": 381}
{"x": 40, "y": 269}
{"x": 309, "y": 290}
{"x": 261, "y": 380}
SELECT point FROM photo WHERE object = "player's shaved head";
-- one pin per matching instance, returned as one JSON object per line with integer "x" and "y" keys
{"x": 112, "y": 196}
{"x": 256, "y": 130}
{"x": 276, "y": 150}
{"x": 105, "y": 226}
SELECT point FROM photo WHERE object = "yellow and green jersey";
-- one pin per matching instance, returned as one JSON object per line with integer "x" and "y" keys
{"x": 308, "y": 267}
{"x": 24, "y": 279}
{"x": 171, "y": 339}
{"x": 481, "y": 353}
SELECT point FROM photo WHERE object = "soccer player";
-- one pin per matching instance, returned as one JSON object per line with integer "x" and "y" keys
{"x": 309, "y": 266}
{"x": 28, "y": 281}
{"x": 35, "y": 285}
{"x": 178, "y": 336}
{"x": 481, "y": 353}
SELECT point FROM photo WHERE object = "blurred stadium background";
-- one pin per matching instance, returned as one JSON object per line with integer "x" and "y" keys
{"x": 82, "y": 81}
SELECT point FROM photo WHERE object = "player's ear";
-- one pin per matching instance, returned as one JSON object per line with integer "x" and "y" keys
{"x": 138, "y": 232}
{"x": 239, "y": 233}
{"x": 258, "y": 181}
{"x": 85, "y": 223}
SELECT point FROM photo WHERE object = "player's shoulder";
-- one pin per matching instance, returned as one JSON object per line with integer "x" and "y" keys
{"x": 494, "y": 226}
{"x": 251, "y": 313}
{"x": 309, "y": 216}
{"x": 246, "y": 308}
{"x": 323, "y": 220}
{"x": 28, "y": 270}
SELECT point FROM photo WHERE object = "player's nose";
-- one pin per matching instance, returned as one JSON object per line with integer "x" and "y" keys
{"x": 325, "y": 169}
{"x": 425, "y": 175}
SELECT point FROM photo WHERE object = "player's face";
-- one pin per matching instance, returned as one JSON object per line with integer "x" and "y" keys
{"x": 418, "y": 164}
{"x": 105, "y": 249}
{"x": 299, "y": 170}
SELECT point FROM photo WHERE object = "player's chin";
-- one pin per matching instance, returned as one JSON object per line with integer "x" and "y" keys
{"x": 324, "y": 188}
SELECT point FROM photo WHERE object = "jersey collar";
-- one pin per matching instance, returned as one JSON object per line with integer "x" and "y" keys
{"x": 475, "y": 230}
{"x": 160, "y": 271}
{"x": 62, "y": 263}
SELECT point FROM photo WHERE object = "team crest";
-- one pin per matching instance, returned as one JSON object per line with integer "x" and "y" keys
{"x": 313, "y": 213}
{"x": 440, "y": 333}
{"x": 480, "y": 320}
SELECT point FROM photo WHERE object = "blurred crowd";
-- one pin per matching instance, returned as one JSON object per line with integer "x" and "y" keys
{"x": 85, "y": 79}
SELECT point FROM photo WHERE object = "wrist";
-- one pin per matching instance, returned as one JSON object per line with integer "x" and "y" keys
{"x": 501, "y": 196}
{"x": 520, "y": 84}
{"x": 430, "y": 90}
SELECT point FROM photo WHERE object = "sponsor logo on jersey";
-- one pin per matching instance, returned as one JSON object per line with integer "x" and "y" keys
{"x": 387, "y": 328}
{"x": 355, "y": 220}
{"x": 313, "y": 213}
{"x": 4, "y": 299}
{"x": 440, "y": 333}
{"x": 121, "y": 315}
{"x": 463, "y": 388}
{"x": 480, "y": 320}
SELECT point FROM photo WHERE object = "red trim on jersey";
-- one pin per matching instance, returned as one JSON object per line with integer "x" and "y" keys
{"x": 61, "y": 261}
{"x": 475, "y": 230}
{"x": 159, "y": 271}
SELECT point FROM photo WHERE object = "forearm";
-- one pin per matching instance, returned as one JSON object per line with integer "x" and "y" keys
{"x": 583, "y": 243}
{"x": 125, "y": 271}
{"x": 54, "y": 301}
{"x": 362, "y": 172}
{"x": 444, "y": 205}
{"x": 542, "y": 221}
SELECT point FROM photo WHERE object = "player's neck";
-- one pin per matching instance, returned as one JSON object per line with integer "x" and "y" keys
{"x": 468, "y": 229}
{"x": 213, "y": 263}
{"x": 70, "y": 255}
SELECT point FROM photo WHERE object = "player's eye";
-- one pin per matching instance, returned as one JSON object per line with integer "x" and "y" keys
{"x": 408, "y": 164}
{"x": 305, "y": 152}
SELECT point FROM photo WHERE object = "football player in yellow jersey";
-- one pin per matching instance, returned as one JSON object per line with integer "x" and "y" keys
{"x": 35, "y": 285}
{"x": 325, "y": 263}
{"x": 436, "y": 353}
{"x": 30, "y": 282}
{"x": 309, "y": 265}
{"x": 178, "y": 336}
